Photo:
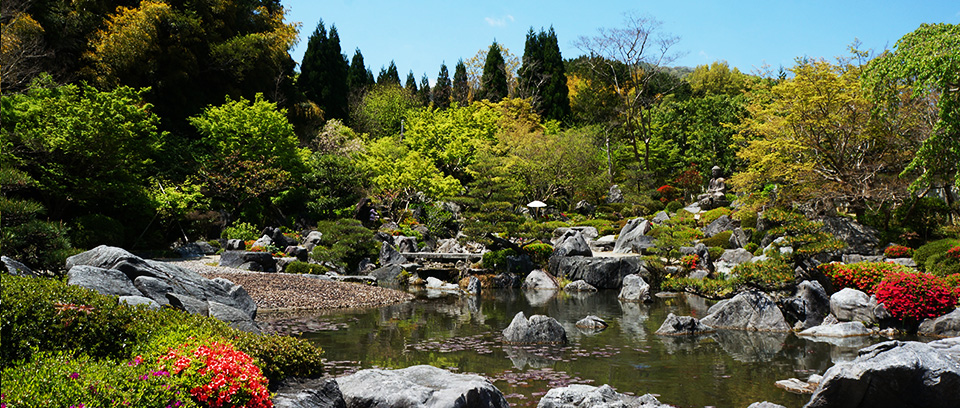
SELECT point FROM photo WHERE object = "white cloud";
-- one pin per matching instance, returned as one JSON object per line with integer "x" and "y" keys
{"x": 499, "y": 22}
{"x": 703, "y": 54}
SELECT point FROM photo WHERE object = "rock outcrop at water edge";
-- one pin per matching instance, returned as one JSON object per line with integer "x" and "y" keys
{"x": 539, "y": 329}
{"x": 947, "y": 325}
{"x": 682, "y": 326}
{"x": 750, "y": 310}
{"x": 420, "y": 386}
{"x": 588, "y": 396}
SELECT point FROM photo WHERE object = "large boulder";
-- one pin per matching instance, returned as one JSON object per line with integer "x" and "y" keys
{"x": 14, "y": 267}
{"x": 540, "y": 280}
{"x": 109, "y": 282}
{"x": 851, "y": 305}
{"x": 232, "y": 316}
{"x": 860, "y": 239}
{"x": 390, "y": 256}
{"x": 601, "y": 272}
{"x": 312, "y": 239}
{"x": 588, "y": 233}
{"x": 750, "y": 310}
{"x": 947, "y": 325}
{"x": 538, "y": 329}
{"x": 571, "y": 243}
{"x": 634, "y": 289}
{"x": 614, "y": 195}
{"x": 633, "y": 237}
{"x": 320, "y": 393}
{"x": 592, "y": 323}
{"x": 248, "y": 260}
{"x": 579, "y": 286}
{"x": 809, "y": 306}
{"x": 724, "y": 223}
{"x": 682, "y": 326}
{"x": 405, "y": 243}
{"x": 844, "y": 329}
{"x": 739, "y": 238}
{"x": 895, "y": 374}
{"x": 420, "y": 386}
{"x": 588, "y": 396}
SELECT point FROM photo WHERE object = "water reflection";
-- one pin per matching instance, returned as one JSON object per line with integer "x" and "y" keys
{"x": 726, "y": 368}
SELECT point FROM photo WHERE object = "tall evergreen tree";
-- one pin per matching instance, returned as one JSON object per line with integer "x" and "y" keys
{"x": 323, "y": 73}
{"x": 390, "y": 75}
{"x": 461, "y": 85}
{"x": 357, "y": 75}
{"x": 411, "y": 83}
{"x": 543, "y": 77}
{"x": 423, "y": 95}
{"x": 441, "y": 91}
{"x": 493, "y": 83}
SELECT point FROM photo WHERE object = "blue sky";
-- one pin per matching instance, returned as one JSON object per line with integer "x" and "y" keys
{"x": 420, "y": 35}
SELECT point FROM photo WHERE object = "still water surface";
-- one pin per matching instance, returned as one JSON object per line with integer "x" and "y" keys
{"x": 462, "y": 334}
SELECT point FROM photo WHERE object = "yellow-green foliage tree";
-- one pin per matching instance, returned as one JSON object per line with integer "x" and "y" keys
{"x": 814, "y": 136}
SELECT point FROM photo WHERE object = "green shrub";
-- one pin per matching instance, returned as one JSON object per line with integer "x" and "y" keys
{"x": 539, "y": 253}
{"x": 345, "y": 243}
{"x": 712, "y": 215}
{"x": 752, "y": 247}
{"x": 929, "y": 249}
{"x": 673, "y": 206}
{"x": 497, "y": 260}
{"x": 91, "y": 230}
{"x": 767, "y": 275}
{"x": 715, "y": 253}
{"x": 304, "y": 268}
{"x": 942, "y": 265}
{"x": 604, "y": 227}
{"x": 281, "y": 357}
{"x": 721, "y": 240}
{"x": 535, "y": 230}
{"x": 806, "y": 237}
{"x": 709, "y": 288}
{"x": 747, "y": 218}
{"x": 242, "y": 231}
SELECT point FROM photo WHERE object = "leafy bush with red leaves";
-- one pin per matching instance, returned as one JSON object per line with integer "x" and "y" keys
{"x": 916, "y": 296}
{"x": 862, "y": 276}
{"x": 954, "y": 253}
{"x": 668, "y": 193}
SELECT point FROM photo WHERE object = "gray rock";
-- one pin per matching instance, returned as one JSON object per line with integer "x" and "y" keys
{"x": 419, "y": 387}
{"x": 405, "y": 244}
{"x": 474, "y": 287}
{"x": 539, "y": 280}
{"x": 245, "y": 260}
{"x": 736, "y": 256}
{"x": 109, "y": 282}
{"x": 894, "y": 374}
{"x": 724, "y": 223}
{"x": 765, "y": 404}
{"x": 584, "y": 207}
{"x": 908, "y": 262}
{"x": 312, "y": 239}
{"x": 739, "y": 238}
{"x": 140, "y": 300}
{"x": 844, "y": 329}
{"x": 592, "y": 322}
{"x": 851, "y": 305}
{"x": 634, "y": 289}
{"x": 15, "y": 268}
{"x": 390, "y": 256}
{"x": 153, "y": 288}
{"x": 750, "y": 310}
{"x": 682, "y": 326}
{"x": 538, "y": 329}
{"x": 614, "y": 194}
{"x": 604, "y": 243}
{"x": 323, "y": 393}
{"x": 434, "y": 283}
{"x": 633, "y": 237}
{"x": 809, "y": 306}
{"x": 262, "y": 242}
{"x": 797, "y": 386}
{"x": 857, "y": 258}
{"x": 388, "y": 275}
{"x": 232, "y": 316}
{"x": 234, "y": 245}
{"x": 860, "y": 239}
{"x": 588, "y": 396}
{"x": 947, "y": 325}
{"x": 188, "y": 304}
{"x": 450, "y": 246}
{"x": 571, "y": 243}
{"x": 588, "y": 233}
{"x": 661, "y": 217}
{"x": 298, "y": 252}
{"x": 579, "y": 286}
{"x": 601, "y": 272}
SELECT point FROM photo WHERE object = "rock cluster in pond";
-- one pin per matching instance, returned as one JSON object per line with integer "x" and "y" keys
{"x": 592, "y": 323}
{"x": 851, "y": 305}
{"x": 682, "y": 326}
{"x": 749, "y": 310}
{"x": 588, "y": 396}
{"x": 895, "y": 374}
{"x": 114, "y": 271}
{"x": 579, "y": 286}
{"x": 634, "y": 289}
{"x": 420, "y": 386}
{"x": 538, "y": 329}
{"x": 600, "y": 272}
{"x": 947, "y": 325}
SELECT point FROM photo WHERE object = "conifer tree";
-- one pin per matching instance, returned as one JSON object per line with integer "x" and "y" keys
{"x": 461, "y": 86}
{"x": 493, "y": 83}
{"x": 543, "y": 77}
{"x": 424, "y": 94}
{"x": 357, "y": 75}
{"x": 389, "y": 75}
{"x": 411, "y": 84}
{"x": 441, "y": 92}
{"x": 323, "y": 73}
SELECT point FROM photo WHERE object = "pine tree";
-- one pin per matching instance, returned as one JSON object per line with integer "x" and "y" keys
{"x": 441, "y": 92}
{"x": 357, "y": 75}
{"x": 493, "y": 83}
{"x": 461, "y": 86}
{"x": 542, "y": 78}
{"x": 389, "y": 75}
{"x": 411, "y": 83}
{"x": 424, "y": 94}
{"x": 323, "y": 73}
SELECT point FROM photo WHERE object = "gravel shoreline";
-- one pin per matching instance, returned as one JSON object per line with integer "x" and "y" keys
{"x": 281, "y": 291}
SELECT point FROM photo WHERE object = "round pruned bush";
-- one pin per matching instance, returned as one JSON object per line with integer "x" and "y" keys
{"x": 747, "y": 218}
{"x": 305, "y": 268}
{"x": 721, "y": 240}
{"x": 673, "y": 206}
{"x": 862, "y": 276}
{"x": 712, "y": 215}
{"x": 912, "y": 297}
{"x": 929, "y": 249}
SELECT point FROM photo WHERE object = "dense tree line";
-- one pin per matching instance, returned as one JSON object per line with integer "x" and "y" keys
{"x": 147, "y": 121}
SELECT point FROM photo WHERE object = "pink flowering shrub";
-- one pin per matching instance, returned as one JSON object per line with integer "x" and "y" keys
{"x": 898, "y": 251}
{"x": 916, "y": 296}
{"x": 217, "y": 375}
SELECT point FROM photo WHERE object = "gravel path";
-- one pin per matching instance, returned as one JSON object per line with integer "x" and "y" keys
{"x": 290, "y": 291}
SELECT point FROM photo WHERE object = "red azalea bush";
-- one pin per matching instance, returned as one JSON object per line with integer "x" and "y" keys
{"x": 898, "y": 251}
{"x": 668, "y": 193}
{"x": 689, "y": 262}
{"x": 954, "y": 252}
{"x": 862, "y": 276}
{"x": 916, "y": 296}
{"x": 217, "y": 375}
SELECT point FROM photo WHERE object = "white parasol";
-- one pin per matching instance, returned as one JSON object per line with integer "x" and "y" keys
{"x": 537, "y": 204}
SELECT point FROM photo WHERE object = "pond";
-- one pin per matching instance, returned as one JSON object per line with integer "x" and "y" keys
{"x": 463, "y": 334}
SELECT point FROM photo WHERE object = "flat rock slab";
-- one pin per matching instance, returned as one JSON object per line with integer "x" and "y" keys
{"x": 845, "y": 329}
{"x": 420, "y": 386}
{"x": 588, "y": 396}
